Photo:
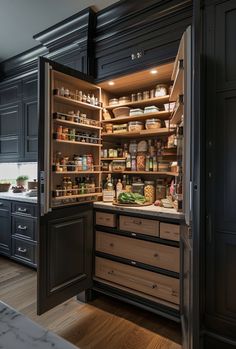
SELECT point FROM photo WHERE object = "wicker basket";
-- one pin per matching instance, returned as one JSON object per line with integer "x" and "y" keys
{"x": 4, "y": 187}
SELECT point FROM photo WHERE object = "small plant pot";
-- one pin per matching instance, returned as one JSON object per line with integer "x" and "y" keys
{"x": 20, "y": 182}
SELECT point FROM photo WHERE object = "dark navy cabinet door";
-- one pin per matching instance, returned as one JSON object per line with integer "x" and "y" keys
{"x": 30, "y": 115}
{"x": 10, "y": 132}
{"x": 5, "y": 229}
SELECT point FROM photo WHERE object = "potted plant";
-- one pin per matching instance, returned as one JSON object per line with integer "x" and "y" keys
{"x": 21, "y": 180}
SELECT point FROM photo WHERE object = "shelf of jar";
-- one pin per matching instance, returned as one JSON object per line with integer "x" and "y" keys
{"x": 77, "y": 172}
{"x": 143, "y": 102}
{"x": 71, "y": 101}
{"x": 78, "y": 143}
{"x": 143, "y": 133}
{"x": 77, "y": 124}
{"x": 112, "y": 159}
{"x": 174, "y": 174}
{"x": 177, "y": 114}
{"x": 162, "y": 115}
{"x": 76, "y": 196}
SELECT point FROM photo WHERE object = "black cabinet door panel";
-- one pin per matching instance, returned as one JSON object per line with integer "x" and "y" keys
{"x": 65, "y": 255}
{"x": 30, "y": 87}
{"x": 10, "y": 128}
{"x": 5, "y": 227}
{"x": 225, "y": 20}
{"x": 30, "y": 129}
{"x": 10, "y": 93}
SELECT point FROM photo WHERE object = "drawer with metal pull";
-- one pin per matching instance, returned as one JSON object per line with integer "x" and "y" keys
{"x": 106, "y": 219}
{"x": 151, "y": 253}
{"x": 139, "y": 225}
{"x": 24, "y": 251}
{"x": 24, "y": 227}
{"x": 147, "y": 282}
{"x": 169, "y": 231}
{"x": 23, "y": 208}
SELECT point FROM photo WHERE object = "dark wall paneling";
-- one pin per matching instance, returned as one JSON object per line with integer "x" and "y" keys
{"x": 132, "y": 36}
{"x": 220, "y": 252}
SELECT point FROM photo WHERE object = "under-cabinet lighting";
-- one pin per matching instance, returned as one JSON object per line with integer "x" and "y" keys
{"x": 111, "y": 83}
{"x": 153, "y": 71}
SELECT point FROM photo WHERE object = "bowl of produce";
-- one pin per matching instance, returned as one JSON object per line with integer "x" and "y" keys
{"x": 131, "y": 199}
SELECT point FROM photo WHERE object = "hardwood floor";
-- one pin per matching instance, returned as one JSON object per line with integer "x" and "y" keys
{"x": 102, "y": 324}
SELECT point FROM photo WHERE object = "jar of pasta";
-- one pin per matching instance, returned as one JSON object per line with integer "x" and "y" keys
{"x": 149, "y": 191}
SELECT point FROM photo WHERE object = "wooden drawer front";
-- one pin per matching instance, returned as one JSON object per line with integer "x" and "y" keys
{"x": 23, "y": 226}
{"x": 157, "y": 255}
{"x": 139, "y": 225}
{"x": 147, "y": 282}
{"x": 169, "y": 231}
{"x": 106, "y": 219}
{"x": 23, "y": 208}
{"x": 24, "y": 250}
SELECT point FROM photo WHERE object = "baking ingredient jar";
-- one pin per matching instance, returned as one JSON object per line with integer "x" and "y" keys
{"x": 137, "y": 187}
{"x": 141, "y": 159}
{"x": 149, "y": 191}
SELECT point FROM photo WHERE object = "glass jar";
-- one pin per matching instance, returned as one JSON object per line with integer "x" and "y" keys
{"x": 133, "y": 147}
{"x": 146, "y": 95}
{"x": 149, "y": 191}
{"x": 138, "y": 187}
{"x": 139, "y": 96}
{"x": 161, "y": 90}
{"x": 133, "y": 97}
{"x": 141, "y": 159}
{"x": 135, "y": 126}
{"x": 109, "y": 128}
{"x": 160, "y": 190}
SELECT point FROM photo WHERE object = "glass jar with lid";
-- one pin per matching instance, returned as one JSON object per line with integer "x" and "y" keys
{"x": 149, "y": 191}
{"x": 138, "y": 187}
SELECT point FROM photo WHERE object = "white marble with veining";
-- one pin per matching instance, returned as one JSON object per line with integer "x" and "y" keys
{"x": 18, "y": 197}
{"x": 19, "y": 332}
{"x": 154, "y": 211}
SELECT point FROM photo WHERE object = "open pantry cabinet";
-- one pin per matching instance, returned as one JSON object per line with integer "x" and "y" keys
{"x": 81, "y": 142}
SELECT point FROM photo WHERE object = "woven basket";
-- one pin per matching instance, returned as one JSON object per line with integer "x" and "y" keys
{"x": 4, "y": 187}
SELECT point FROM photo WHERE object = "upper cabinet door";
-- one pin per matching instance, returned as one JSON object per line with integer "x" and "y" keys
{"x": 10, "y": 128}
{"x": 65, "y": 231}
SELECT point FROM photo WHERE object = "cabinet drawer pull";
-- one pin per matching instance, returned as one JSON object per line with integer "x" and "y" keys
{"x": 133, "y": 234}
{"x": 154, "y": 286}
{"x": 22, "y": 250}
{"x": 111, "y": 272}
{"x": 22, "y": 209}
{"x": 133, "y": 262}
{"x": 1, "y": 203}
{"x": 22, "y": 227}
{"x": 137, "y": 222}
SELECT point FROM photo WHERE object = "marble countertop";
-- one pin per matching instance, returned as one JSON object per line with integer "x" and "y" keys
{"x": 19, "y": 332}
{"x": 151, "y": 210}
{"x": 18, "y": 197}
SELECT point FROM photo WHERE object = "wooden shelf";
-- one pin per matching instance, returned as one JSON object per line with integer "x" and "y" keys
{"x": 111, "y": 159}
{"x": 80, "y": 143}
{"x": 176, "y": 117}
{"x": 142, "y": 173}
{"x": 76, "y": 124}
{"x": 162, "y": 115}
{"x": 77, "y": 172}
{"x": 71, "y": 101}
{"x": 144, "y": 133}
{"x": 178, "y": 85}
{"x": 76, "y": 196}
{"x": 142, "y": 103}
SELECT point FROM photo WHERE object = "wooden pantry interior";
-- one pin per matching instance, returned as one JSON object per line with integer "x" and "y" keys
{"x": 133, "y": 254}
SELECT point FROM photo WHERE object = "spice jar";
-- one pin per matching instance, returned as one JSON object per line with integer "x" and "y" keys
{"x": 160, "y": 190}
{"x": 133, "y": 97}
{"x": 139, "y": 96}
{"x": 146, "y": 95}
{"x": 149, "y": 191}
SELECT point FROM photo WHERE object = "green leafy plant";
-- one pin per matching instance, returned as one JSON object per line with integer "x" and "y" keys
{"x": 22, "y": 178}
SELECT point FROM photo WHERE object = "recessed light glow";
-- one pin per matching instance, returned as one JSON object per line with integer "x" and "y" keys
{"x": 111, "y": 83}
{"x": 153, "y": 71}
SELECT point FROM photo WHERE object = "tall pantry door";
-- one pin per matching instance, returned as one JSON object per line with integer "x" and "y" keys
{"x": 65, "y": 230}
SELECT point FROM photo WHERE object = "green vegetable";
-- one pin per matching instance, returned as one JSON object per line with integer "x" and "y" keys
{"x": 131, "y": 198}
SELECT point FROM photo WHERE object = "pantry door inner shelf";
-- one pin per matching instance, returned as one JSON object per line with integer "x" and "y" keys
{"x": 76, "y": 124}
{"x": 79, "y": 143}
{"x": 148, "y": 173}
{"x": 74, "y": 102}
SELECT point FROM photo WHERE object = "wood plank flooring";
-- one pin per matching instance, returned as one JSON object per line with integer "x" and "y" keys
{"x": 102, "y": 324}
